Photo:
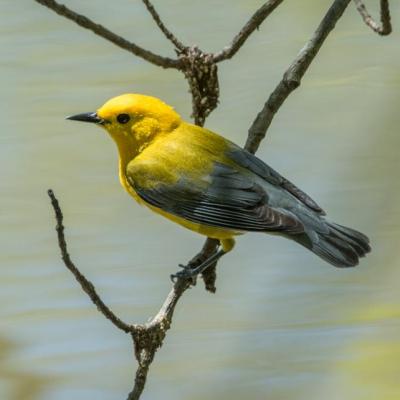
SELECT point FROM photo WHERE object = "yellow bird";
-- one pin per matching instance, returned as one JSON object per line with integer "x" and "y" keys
{"x": 208, "y": 184}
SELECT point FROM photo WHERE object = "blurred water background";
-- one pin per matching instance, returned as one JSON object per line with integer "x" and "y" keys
{"x": 283, "y": 324}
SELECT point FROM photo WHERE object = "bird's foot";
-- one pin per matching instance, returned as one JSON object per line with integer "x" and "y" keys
{"x": 186, "y": 272}
{"x": 190, "y": 272}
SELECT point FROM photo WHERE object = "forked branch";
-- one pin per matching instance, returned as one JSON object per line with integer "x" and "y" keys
{"x": 199, "y": 67}
{"x": 147, "y": 338}
{"x": 168, "y": 34}
{"x": 386, "y": 27}
{"x": 252, "y": 24}
{"x": 100, "y": 30}
{"x": 292, "y": 77}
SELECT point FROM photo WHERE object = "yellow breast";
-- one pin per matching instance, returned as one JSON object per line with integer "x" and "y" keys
{"x": 188, "y": 145}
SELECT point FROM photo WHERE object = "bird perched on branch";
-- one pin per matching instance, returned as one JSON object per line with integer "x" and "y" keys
{"x": 208, "y": 184}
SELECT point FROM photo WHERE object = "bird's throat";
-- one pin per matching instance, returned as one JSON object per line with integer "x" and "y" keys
{"x": 131, "y": 144}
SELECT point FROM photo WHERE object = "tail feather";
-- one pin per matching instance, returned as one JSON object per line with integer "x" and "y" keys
{"x": 338, "y": 245}
{"x": 355, "y": 237}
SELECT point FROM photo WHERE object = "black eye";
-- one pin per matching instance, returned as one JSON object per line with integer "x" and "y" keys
{"x": 123, "y": 118}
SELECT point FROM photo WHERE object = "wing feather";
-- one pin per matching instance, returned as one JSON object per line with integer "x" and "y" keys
{"x": 249, "y": 161}
{"x": 223, "y": 198}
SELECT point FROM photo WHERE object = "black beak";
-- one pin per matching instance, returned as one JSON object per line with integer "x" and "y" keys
{"x": 87, "y": 117}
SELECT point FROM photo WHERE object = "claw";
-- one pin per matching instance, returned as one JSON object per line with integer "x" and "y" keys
{"x": 186, "y": 272}
{"x": 190, "y": 272}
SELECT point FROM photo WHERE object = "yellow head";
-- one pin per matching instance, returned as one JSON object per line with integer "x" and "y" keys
{"x": 133, "y": 121}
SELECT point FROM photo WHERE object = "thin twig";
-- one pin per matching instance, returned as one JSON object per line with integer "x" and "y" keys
{"x": 100, "y": 30}
{"x": 168, "y": 34}
{"x": 253, "y": 23}
{"x": 86, "y": 285}
{"x": 293, "y": 75}
{"x": 386, "y": 27}
{"x": 148, "y": 337}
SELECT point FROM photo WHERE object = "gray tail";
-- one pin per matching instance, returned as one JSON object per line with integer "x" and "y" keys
{"x": 337, "y": 244}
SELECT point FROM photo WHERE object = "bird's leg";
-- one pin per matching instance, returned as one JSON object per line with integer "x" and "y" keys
{"x": 189, "y": 272}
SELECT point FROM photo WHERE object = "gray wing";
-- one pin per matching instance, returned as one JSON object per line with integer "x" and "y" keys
{"x": 249, "y": 161}
{"x": 225, "y": 198}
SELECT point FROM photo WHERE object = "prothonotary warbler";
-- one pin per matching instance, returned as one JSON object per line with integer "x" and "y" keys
{"x": 208, "y": 184}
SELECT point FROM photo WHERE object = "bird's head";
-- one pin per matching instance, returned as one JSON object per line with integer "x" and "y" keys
{"x": 133, "y": 120}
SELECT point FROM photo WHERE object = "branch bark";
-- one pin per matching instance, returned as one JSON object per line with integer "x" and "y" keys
{"x": 292, "y": 77}
{"x": 147, "y": 338}
{"x": 100, "y": 30}
{"x": 168, "y": 34}
{"x": 252, "y": 24}
{"x": 86, "y": 285}
{"x": 386, "y": 27}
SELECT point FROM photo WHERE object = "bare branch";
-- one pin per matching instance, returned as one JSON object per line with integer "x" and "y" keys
{"x": 100, "y": 30}
{"x": 293, "y": 75}
{"x": 386, "y": 27}
{"x": 254, "y": 22}
{"x": 86, "y": 285}
{"x": 148, "y": 337}
{"x": 168, "y": 34}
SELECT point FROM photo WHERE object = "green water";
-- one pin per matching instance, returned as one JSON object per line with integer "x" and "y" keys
{"x": 283, "y": 324}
